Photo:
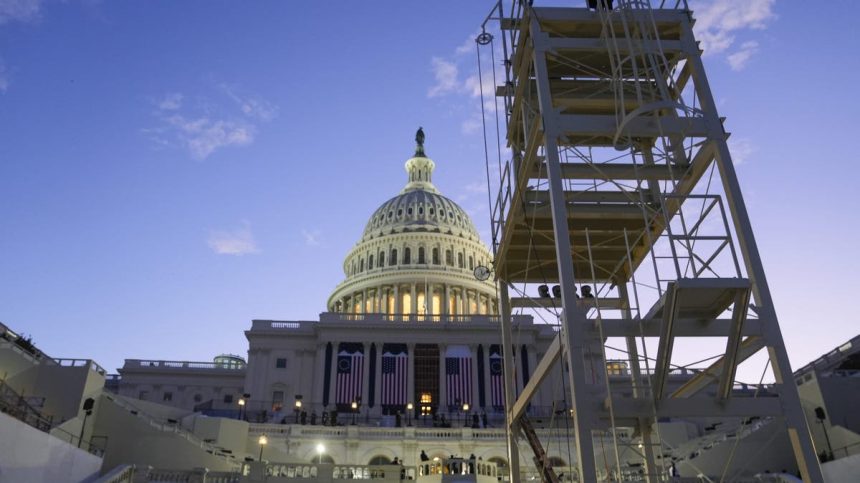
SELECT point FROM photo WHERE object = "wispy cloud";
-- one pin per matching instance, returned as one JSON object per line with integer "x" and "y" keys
{"x": 207, "y": 125}
{"x": 738, "y": 60}
{"x": 239, "y": 241}
{"x": 19, "y": 10}
{"x": 251, "y": 106}
{"x": 170, "y": 102}
{"x": 741, "y": 149}
{"x": 718, "y": 22}
{"x": 203, "y": 136}
{"x": 312, "y": 237}
{"x": 445, "y": 73}
{"x": 4, "y": 78}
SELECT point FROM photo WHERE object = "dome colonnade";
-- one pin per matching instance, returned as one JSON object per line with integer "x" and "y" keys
{"x": 416, "y": 256}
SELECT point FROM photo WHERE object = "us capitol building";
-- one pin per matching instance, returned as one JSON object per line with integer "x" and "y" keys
{"x": 410, "y": 340}
{"x": 401, "y": 378}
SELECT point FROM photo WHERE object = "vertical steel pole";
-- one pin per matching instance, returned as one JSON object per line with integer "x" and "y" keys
{"x": 511, "y": 426}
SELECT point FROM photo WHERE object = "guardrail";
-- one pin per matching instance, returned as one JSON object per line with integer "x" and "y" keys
{"x": 93, "y": 365}
{"x": 229, "y": 366}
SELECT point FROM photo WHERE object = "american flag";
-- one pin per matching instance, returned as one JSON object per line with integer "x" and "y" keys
{"x": 458, "y": 379}
{"x": 394, "y": 379}
{"x": 350, "y": 368}
{"x": 497, "y": 381}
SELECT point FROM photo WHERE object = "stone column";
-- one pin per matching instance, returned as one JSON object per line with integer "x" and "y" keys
{"x": 414, "y": 301}
{"x": 397, "y": 302}
{"x": 318, "y": 376}
{"x": 461, "y": 291}
{"x": 443, "y": 390}
{"x": 364, "y": 302}
{"x": 410, "y": 374}
{"x": 446, "y": 301}
{"x": 332, "y": 386}
{"x": 488, "y": 399}
{"x": 366, "y": 376}
{"x": 377, "y": 390}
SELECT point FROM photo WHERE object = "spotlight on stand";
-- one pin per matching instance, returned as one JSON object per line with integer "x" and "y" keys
{"x": 586, "y": 292}
{"x": 556, "y": 291}
{"x": 543, "y": 291}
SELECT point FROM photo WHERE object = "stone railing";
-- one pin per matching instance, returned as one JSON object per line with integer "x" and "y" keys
{"x": 458, "y": 466}
{"x": 435, "y": 318}
{"x": 226, "y": 366}
{"x": 93, "y": 365}
{"x": 140, "y": 474}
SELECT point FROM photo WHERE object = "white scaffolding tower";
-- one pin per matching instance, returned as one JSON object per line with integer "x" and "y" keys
{"x": 621, "y": 178}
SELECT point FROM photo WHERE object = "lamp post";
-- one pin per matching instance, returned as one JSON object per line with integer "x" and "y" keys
{"x": 354, "y": 410}
{"x": 88, "y": 410}
{"x": 821, "y": 416}
{"x": 320, "y": 451}
{"x": 298, "y": 407}
{"x": 465, "y": 413}
{"x": 263, "y": 442}
{"x": 241, "y": 406}
{"x": 409, "y": 408}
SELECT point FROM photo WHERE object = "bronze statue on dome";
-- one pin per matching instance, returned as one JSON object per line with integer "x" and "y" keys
{"x": 419, "y": 142}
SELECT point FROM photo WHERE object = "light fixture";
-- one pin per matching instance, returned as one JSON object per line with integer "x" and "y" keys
{"x": 465, "y": 406}
{"x": 354, "y": 405}
{"x": 409, "y": 406}
{"x": 543, "y": 291}
{"x": 241, "y": 402}
{"x": 298, "y": 403}
{"x": 263, "y": 442}
{"x": 320, "y": 450}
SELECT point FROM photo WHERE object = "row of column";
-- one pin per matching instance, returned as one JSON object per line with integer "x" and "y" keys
{"x": 441, "y": 397}
{"x": 391, "y": 300}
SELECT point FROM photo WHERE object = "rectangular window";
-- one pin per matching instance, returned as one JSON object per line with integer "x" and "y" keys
{"x": 168, "y": 396}
{"x": 142, "y": 395}
{"x": 281, "y": 363}
{"x": 228, "y": 398}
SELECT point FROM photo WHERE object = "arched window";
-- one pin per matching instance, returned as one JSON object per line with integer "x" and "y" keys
{"x": 361, "y": 266}
{"x": 409, "y": 211}
{"x": 471, "y": 262}
{"x": 370, "y": 263}
{"x": 460, "y": 260}
{"x": 435, "y": 256}
{"x": 420, "y": 210}
{"x": 420, "y": 255}
{"x": 393, "y": 259}
{"x": 381, "y": 259}
{"x": 449, "y": 258}
{"x": 379, "y": 460}
{"x": 407, "y": 256}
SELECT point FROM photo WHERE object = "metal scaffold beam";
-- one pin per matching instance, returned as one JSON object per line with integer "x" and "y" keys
{"x": 620, "y": 178}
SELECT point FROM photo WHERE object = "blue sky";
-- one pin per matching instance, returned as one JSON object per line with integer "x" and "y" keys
{"x": 171, "y": 170}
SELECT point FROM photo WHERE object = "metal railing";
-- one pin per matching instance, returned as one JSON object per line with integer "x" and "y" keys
{"x": 93, "y": 365}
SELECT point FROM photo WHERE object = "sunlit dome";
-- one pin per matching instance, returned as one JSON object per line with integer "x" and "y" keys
{"x": 415, "y": 243}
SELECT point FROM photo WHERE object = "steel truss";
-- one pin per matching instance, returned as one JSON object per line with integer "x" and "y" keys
{"x": 615, "y": 138}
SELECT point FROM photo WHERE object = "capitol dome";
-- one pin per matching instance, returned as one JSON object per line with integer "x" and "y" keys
{"x": 417, "y": 255}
